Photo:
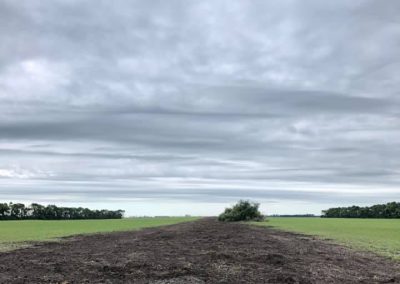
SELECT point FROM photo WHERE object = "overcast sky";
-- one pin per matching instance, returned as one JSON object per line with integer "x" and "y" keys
{"x": 175, "y": 107}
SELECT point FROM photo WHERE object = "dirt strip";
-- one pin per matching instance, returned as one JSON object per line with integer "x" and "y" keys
{"x": 203, "y": 251}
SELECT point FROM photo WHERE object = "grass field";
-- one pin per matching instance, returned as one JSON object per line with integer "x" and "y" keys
{"x": 381, "y": 236}
{"x": 16, "y": 233}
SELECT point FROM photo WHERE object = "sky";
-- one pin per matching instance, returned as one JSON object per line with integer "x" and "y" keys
{"x": 185, "y": 107}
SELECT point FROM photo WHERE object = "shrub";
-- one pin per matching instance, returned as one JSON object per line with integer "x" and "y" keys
{"x": 243, "y": 211}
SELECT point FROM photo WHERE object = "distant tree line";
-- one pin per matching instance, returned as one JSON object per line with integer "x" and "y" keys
{"x": 389, "y": 210}
{"x": 293, "y": 215}
{"x": 18, "y": 211}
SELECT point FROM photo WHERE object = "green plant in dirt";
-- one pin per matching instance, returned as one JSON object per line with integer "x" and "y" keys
{"x": 243, "y": 211}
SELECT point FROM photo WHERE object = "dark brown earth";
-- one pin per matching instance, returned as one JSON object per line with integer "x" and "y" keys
{"x": 204, "y": 251}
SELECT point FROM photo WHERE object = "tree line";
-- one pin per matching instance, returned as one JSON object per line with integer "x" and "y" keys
{"x": 18, "y": 211}
{"x": 293, "y": 215}
{"x": 389, "y": 210}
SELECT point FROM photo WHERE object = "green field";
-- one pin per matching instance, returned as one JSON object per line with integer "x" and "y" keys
{"x": 381, "y": 236}
{"x": 17, "y": 233}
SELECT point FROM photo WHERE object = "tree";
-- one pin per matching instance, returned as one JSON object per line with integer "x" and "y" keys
{"x": 243, "y": 211}
{"x": 37, "y": 211}
{"x": 4, "y": 211}
{"x": 17, "y": 211}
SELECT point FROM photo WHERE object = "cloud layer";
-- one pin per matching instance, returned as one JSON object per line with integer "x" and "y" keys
{"x": 294, "y": 104}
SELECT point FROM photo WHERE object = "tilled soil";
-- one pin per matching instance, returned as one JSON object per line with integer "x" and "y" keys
{"x": 203, "y": 251}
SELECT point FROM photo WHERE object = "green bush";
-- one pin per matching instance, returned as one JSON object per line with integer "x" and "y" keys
{"x": 243, "y": 211}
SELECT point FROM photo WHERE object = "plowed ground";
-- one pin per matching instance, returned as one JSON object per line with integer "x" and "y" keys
{"x": 204, "y": 251}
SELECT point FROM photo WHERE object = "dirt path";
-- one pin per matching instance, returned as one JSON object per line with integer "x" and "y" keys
{"x": 204, "y": 251}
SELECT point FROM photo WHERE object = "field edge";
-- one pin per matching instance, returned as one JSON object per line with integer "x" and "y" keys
{"x": 350, "y": 244}
{"x": 7, "y": 246}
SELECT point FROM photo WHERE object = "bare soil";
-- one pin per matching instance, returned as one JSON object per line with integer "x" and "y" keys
{"x": 203, "y": 251}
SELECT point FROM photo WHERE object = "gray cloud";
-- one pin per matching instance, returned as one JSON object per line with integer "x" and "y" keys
{"x": 200, "y": 102}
